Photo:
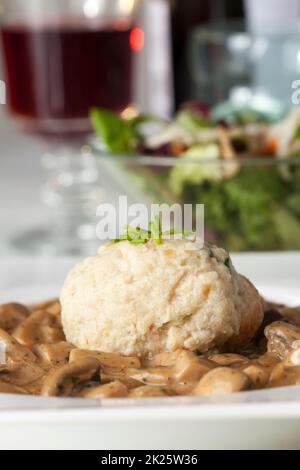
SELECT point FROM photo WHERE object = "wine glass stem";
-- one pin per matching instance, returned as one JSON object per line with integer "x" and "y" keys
{"x": 73, "y": 194}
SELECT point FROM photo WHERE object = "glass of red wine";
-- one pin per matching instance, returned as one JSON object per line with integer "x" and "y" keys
{"x": 61, "y": 58}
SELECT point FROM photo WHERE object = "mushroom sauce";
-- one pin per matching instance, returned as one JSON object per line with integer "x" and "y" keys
{"x": 35, "y": 359}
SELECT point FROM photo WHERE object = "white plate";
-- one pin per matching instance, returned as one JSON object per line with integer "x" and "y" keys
{"x": 265, "y": 419}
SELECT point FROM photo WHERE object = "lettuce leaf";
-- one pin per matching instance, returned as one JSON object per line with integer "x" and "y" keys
{"x": 192, "y": 122}
{"x": 119, "y": 135}
{"x": 256, "y": 209}
{"x": 288, "y": 227}
{"x": 187, "y": 172}
{"x": 252, "y": 196}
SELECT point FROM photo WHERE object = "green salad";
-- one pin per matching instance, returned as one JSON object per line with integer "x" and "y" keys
{"x": 246, "y": 171}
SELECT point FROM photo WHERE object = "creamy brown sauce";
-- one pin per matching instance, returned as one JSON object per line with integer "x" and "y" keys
{"x": 37, "y": 360}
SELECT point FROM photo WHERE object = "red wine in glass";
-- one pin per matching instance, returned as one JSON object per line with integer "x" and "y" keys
{"x": 57, "y": 72}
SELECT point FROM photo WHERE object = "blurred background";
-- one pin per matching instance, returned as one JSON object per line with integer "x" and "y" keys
{"x": 123, "y": 55}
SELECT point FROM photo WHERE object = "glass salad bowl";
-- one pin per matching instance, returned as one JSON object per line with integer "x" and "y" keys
{"x": 250, "y": 205}
{"x": 243, "y": 166}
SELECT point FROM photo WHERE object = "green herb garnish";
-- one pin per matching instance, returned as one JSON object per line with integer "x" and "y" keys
{"x": 138, "y": 236}
{"x": 155, "y": 229}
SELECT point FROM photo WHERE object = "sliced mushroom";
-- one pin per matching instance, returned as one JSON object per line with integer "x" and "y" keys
{"x": 15, "y": 352}
{"x": 54, "y": 308}
{"x": 152, "y": 376}
{"x": 267, "y": 360}
{"x": 3, "y": 357}
{"x": 226, "y": 360}
{"x": 148, "y": 391}
{"x": 187, "y": 368}
{"x": 190, "y": 368}
{"x": 62, "y": 382}
{"x": 56, "y": 354}
{"x": 292, "y": 315}
{"x": 21, "y": 367}
{"x": 7, "y": 368}
{"x": 283, "y": 375}
{"x": 166, "y": 359}
{"x": 106, "y": 359}
{"x": 222, "y": 380}
{"x": 181, "y": 388}
{"x": 112, "y": 374}
{"x": 40, "y": 327}
{"x": 258, "y": 375}
{"x": 24, "y": 374}
{"x": 9, "y": 388}
{"x": 112, "y": 390}
{"x": 282, "y": 338}
{"x": 11, "y": 315}
{"x": 293, "y": 358}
